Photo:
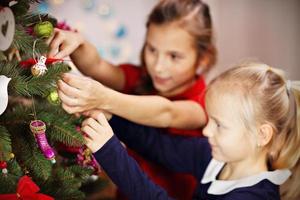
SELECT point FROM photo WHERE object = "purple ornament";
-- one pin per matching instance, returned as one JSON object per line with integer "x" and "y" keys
{"x": 38, "y": 128}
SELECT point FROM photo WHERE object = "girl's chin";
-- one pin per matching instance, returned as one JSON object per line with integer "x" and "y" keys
{"x": 161, "y": 88}
{"x": 218, "y": 157}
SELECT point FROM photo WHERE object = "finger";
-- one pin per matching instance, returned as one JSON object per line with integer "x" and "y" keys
{"x": 77, "y": 115}
{"x": 92, "y": 113}
{"x": 90, "y": 144}
{"x": 87, "y": 121}
{"x": 93, "y": 124}
{"x": 55, "y": 43}
{"x": 72, "y": 110}
{"x": 63, "y": 51}
{"x": 88, "y": 141}
{"x": 86, "y": 113}
{"x": 70, "y": 101}
{"x": 74, "y": 80}
{"x": 68, "y": 90}
{"x": 102, "y": 120}
{"x": 90, "y": 132}
{"x": 48, "y": 41}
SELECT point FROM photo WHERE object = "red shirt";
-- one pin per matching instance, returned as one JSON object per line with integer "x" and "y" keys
{"x": 179, "y": 186}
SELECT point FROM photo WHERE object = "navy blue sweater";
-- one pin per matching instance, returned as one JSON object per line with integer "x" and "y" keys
{"x": 177, "y": 153}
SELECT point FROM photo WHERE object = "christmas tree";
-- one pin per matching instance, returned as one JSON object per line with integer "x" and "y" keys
{"x": 40, "y": 144}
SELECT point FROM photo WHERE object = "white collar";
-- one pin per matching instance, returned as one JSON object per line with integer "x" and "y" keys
{"x": 219, "y": 187}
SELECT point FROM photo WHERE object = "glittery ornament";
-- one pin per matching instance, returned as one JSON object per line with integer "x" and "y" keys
{"x": 39, "y": 68}
{"x": 53, "y": 98}
{"x": 85, "y": 158}
{"x": 43, "y": 29}
{"x": 11, "y": 155}
{"x": 3, "y": 167}
{"x": 4, "y": 171}
{"x": 38, "y": 128}
{"x": 3, "y": 164}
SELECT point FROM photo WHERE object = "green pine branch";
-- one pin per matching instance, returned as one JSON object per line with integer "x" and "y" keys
{"x": 27, "y": 101}
{"x": 29, "y": 155}
{"x": 14, "y": 168}
{"x": 10, "y": 69}
{"x": 27, "y": 44}
{"x": 61, "y": 128}
{"x": 20, "y": 115}
{"x": 5, "y": 143}
{"x": 25, "y": 85}
{"x": 22, "y": 7}
{"x": 22, "y": 41}
{"x": 31, "y": 19}
{"x": 40, "y": 85}
{"x": 65, "y": 183}
{"x": 81, "y": 173}
{"x": 8, "y": 183}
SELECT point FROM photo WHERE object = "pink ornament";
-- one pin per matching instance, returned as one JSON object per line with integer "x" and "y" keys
{"x": 38, "y": 128}
{"x": 85, "y": 158}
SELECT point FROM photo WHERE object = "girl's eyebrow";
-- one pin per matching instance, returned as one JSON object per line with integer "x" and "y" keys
{"x": 176, "y": 52}
{"x": 149, "y": 44}
{"x": 216, "y": 119}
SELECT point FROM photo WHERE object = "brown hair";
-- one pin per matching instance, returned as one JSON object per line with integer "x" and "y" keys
{"x": 194, "y": 17}
{"x": 269, "y": 98}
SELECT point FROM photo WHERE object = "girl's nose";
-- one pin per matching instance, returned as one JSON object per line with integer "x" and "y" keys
{"x": 206, "y": 131}
{"x": 159, "y": 66}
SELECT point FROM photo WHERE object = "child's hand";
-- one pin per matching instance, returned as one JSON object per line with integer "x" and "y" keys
{"x": 80, "y": 94}
{"x": 98, "y": 130}
{"x": 63, "y": 43}
{"x": 95, "y": 112}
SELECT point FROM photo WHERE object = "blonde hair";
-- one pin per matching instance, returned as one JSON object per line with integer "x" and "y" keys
{"x": 267, "y": 97}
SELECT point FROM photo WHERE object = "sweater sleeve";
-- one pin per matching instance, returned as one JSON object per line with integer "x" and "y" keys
{"x": 132, "y": 75}
{"x": 125, "y": 173}
{"x": 177, "y": 153}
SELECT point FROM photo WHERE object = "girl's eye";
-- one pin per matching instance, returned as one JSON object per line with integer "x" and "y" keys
{"x": 175, "y": 56}
{"x": 150, "y": 49}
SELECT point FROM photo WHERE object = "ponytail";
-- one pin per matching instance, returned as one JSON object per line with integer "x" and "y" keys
{"x": 290, "y": 189}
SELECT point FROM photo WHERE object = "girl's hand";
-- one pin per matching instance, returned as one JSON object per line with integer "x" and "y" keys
{"x": 95, "y": 112}
{"x": 98, "y": 130}
{"x": 63, "y": 43}
{"x": 80, "y": 94}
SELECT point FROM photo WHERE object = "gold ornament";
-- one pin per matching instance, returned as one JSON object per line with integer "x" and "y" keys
{"x": 39, "y": 68}
{"x": 11, "y": 155}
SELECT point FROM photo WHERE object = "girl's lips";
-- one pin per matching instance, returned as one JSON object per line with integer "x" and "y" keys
{"x": 212, "y": 146}
{"x": 161, "y": 81}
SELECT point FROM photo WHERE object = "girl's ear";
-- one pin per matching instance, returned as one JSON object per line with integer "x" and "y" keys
{"x": 264, "y": 135}
{"x": 202, "y": 64}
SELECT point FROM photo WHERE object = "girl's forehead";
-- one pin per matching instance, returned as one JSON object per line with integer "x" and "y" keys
{"x": 169, "y": 34}
{"x": 224, "y": 101}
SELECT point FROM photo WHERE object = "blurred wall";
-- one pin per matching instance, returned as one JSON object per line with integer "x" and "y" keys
{"x": 264, "y": 30}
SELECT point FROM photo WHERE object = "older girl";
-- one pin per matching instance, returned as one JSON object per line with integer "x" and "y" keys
{"x": 166, "y": 91}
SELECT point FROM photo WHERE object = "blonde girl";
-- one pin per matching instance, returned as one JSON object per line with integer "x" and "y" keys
{"x": 252, "y": 144}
